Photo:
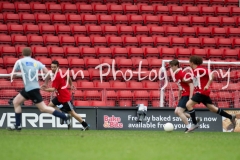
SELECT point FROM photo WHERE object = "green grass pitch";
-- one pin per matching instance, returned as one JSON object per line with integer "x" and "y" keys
{"x": 117, "y": 145}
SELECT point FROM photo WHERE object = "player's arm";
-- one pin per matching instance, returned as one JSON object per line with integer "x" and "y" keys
{"x": 50, "y": 89}
{"x": 16, "y": 68}
{"x": 71, "y": 84}
{"x": 179, "y": 94}
{"x": 209, "y": 82}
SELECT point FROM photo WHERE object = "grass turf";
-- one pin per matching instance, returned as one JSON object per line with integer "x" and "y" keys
{"x": 117, "y": 145}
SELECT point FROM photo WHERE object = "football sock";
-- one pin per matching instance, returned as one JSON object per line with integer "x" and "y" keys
{"x": 59, "y": 114}
{"x": 193, "y": 116}
{"x": 188, "y": 126}
{"x": 224, "y": 114}
{"x": 18, "y": 117}
{"x": 84, "y": 124}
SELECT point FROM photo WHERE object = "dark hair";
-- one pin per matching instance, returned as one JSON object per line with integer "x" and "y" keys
{"x": 174, "y": 63}
{"x": 196, "y": 60}
{"x": 26, "y": 51}
{"x": 55, "y": 62}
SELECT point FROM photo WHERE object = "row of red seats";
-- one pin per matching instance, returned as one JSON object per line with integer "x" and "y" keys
{"x": 78, "y": 8}
{"x": 39, "y": 18}
{"x": 147, "y": 2}
{"x": 59, "y": 29}
{"x": 125, "y": 41}
{"x": 107, "y": 53}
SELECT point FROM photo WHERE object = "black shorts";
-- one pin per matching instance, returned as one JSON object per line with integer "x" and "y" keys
{"x": 66, "y": 107}
{"x": 183, "y": 101}
{"x": 202, "y": 98}
{"x": 33, "y": 95}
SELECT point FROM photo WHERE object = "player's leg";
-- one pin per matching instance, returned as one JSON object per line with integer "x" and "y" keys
{"x": 79, "y": 119}
{"x": 181, "y": 110}
{"x": 195, "y": 100}
{"x": 17, "y": 101}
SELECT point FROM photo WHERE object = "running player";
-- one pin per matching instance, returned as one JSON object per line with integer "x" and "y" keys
{"x": 184, "y": 94}
{"x": 63, "y": 97}
{"x": 29, "y": 67}
{"x": 202, "y": 92}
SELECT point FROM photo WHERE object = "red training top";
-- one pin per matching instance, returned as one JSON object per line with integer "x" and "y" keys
{"x": 182, "y": 85}
{"x": 63, "y": 95}
{"x": 201, "y": 82}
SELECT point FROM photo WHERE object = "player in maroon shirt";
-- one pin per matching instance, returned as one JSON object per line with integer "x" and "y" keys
{"x": 63, "y": 96}
{"x": 185, "y": 92}
{"x": 201, "y": 83}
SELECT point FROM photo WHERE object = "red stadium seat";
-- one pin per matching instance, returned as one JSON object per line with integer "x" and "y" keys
{"x": 175, "y": 41}
{"x": 19, "y": 40}
{"x": 46, "y": 29}
{"x": 38, "y": 8}
{"x": 195, "y": 20}
{"x": 92, "y": 95}
{"x": 78, "y": 30}
{"x": 119, "y": 52}
{"x": 85, "y": 84}
{"x": 183, "y": 52}
{"x": 227, "y": 21}
{"x": 84, "y": 8}
{"x": 105, "y": 20}
{"x": 213, "y": 21}
{"x": 182, "y": 20}
{"x": 51, "y": 40}
{"x": 76, "y": 63}
{"x": 141, "y": 97}
{"x": 234, "y": 11}
{"x": 141, "y": 30}
{"x": 151, "y": 53}
{"x": 70, "y": 51}
{"x": 66, "y": 40}
{"x": 89, "y": 19}
{"x": 125, "y": 30}
{"x": 155, "y": 63}
{"x": 199, "y": 52}
{"x": 46, "y": 61}
{"x": 115, "y": 41}
{"x": 172, "y": 31}
{"x": 39, "y": 51}
{"x": 231, "y": 53}
{"x": 135, "y": 19}
{"x": 81, "y": 103}
{"x": 145, "y": 9}
{"x": 207, "y": 11}
{"x": 92, "y": 63}
{"x": 22, "y": 7}
{"x": 5, "y": 39}
{"x": 1, "y": 18}
{"x": 9, "y": 61}
{"x": 8, "y": 51}
{"x": 144, "y": 63}
{"x": 215, "y": 53}
{"x": 224, "y": 42}
{"x": 99, "y": 41}
{"x": 88, "y": 52}
{"x": 146, "y": 42}
{"x": 216, "y": 2}
{"x": 19, "y": 50}
{"x": 3, "y": 28}
{"x": 176, "y": 10}
{"x": 58, "y": 18}
{"x": 82, "y": 41}
{"x": 167, "y": 52}
{"x": 187, "y": 32}
{"x": 53, "y": 8}
{"x": 124, "y": 63}
{"x": 68, "y": 8}
{"x": 35, "y": 40}
{"x": 222, "y": 11}
{"x": 156, "y": 30}
{"x": 163, "y": 10}
{"x": 232, "y": 32}
{"x": 94, "y": 30}
{"x": 120, "y": 20}
{"x": 104, "y": 52}
{"x": 98, "y": 103}
{"x": 218, "y": 32}
{"x": 192, "y": 10}
{"x": 55, "y": 51}
{"x": 202, "y": 2}
{"x": 193, "y": 42}
{"x": 208, "y": 42}
{"x": 231, "y": 2}
{"x": 27, "y": 18}
{"x": 42, "y": 18}
{"x": 151, "y": 85}
{"x": 130, "y": 9}
{"x": 167, "y": 20}
{"x": 151, "y": 20}
{"x": 11, "y": 18}
{"x": 135, "y": 52}
{"x": 63, "y": 63}
{"x": 31, "y": 29}
{"x": 203, "y": 32}
{"x": 115, "y": 9}
{"x": 73, "y": 19}
{"x": 130, "y": 41}
{"x": 161, "y": 41}
{"x": 7, "y": 7}
{"x": 110, "y": 31}
{"x": 100, "y": 9}
{"x": 62, "y": 29}
{"x": 15, "y": 28}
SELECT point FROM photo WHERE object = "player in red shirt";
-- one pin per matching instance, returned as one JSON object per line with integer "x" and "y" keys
{"x": 185, "y": 92}
{"x": 63, "y": 96}
{"x": 201, "y": 83}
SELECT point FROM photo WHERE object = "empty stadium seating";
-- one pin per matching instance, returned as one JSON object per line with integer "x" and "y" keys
{"x": 85, "y": 33}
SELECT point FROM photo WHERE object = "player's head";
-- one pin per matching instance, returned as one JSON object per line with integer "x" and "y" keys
{"x": 54, "y": 66}
{"x": 195, "y": 61}
{"x": 26, "y": 52}
{"x": 174, "y": 64}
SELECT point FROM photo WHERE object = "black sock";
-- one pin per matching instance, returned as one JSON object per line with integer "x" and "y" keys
{"x": 18, "y": 118}
{"x": 193, "y": 116}
{"x": 224, "y": 114}
{"x": 59, "y": 114}
{"x": 84, "y": 124}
